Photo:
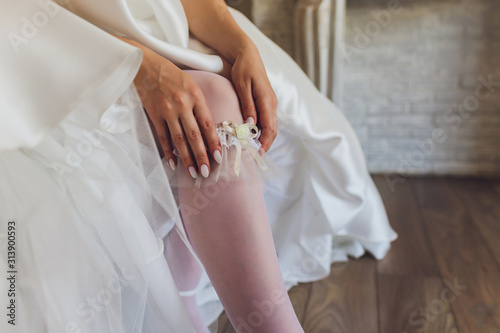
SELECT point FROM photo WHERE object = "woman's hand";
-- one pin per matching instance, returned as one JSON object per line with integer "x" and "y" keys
{"x": 180, "y": 116}
{"x": 212, "y": 23}
{"x": 254, "y": 90}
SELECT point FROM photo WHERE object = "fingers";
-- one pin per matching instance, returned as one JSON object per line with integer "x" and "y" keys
{"x": 266, "y": 102}
{"x": 244, "y": 91}
{"x": 161, "y": 128}
{"x": 207, "y": 127}
{"x": 195, "y": 140}
{"x": 176, "y": 98}
{"x": 182, "y": 145}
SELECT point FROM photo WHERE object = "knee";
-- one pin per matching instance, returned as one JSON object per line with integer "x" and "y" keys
{"x": 220, "y": 96}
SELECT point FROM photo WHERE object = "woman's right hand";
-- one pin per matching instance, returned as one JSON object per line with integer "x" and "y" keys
{"x": 179, "y": 113}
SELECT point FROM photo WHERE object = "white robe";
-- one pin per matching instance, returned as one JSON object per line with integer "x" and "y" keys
{"x": 60, "y": 78}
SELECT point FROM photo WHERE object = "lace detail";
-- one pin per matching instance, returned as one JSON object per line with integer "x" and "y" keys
{"x": 227, "y": 140}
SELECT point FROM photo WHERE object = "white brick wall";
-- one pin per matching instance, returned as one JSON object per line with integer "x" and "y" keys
{"x": 403, "y": 80}
{"x": 407, "y": 76}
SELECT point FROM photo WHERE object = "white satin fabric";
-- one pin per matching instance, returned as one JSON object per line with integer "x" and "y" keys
{"x": 64, "y": 83}
{"x": 95, "y": 68}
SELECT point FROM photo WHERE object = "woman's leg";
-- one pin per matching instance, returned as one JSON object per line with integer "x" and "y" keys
{"x": 186, "y": 273}
{"x": 232, "y": 236}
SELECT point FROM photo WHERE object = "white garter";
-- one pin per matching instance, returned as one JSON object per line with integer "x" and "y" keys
{"x": 235, "y": 139}
{"x": 227, "y": 140}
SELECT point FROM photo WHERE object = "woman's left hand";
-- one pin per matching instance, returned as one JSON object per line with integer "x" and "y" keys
{"x": 254, "y": 90}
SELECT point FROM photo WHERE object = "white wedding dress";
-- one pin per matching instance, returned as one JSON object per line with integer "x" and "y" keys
{"x": 81, "y": 180}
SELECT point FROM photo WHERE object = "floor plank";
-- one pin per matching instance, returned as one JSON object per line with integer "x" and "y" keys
{"x": 346, "y": 301}
{"x": 412, "y": 304}
{"x": 410, "y": 254}
{"x": 462, "y": 256}
{"x": 483, "y": 203}
{"x": 409, "y": 280}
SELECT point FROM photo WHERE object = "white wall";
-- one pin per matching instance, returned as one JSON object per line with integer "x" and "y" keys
{"x": 406, "y": 83}
{"x": 407, "y": 77}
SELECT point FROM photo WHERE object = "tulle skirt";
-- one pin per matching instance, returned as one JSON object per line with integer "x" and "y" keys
{"x": 91, "y": 206}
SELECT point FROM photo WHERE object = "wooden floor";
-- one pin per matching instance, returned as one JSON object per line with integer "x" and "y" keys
{"x": 442, "y": 275}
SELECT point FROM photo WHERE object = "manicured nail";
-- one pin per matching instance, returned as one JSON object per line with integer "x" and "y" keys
{"x": 204, "y": 170}
{"x": 171, "y": 163}
{"x": 192, "y": 172}
{"x": 217, "y": 156}
{"x": 250, "y": 120}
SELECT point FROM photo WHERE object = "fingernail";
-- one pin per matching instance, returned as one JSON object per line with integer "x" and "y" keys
{"x": 172, "y": 164}
{"x": 192, "y": 172}
{"x": 217, "y": 156}
{"x": 250, "y": 120}
{"x": 204, "y": 170}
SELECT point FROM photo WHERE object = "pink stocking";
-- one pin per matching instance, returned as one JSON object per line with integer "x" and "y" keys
{"x": 232, "y": 235}
{"x": 187, "y": 273}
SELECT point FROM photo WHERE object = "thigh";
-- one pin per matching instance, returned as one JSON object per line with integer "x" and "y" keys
{"x": 220, "y": 96}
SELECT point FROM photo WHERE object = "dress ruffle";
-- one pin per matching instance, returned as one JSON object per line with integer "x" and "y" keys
{"x": 92, "y": 204}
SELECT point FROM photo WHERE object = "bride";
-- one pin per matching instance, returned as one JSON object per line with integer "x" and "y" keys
{"x": 162, "y": 161}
